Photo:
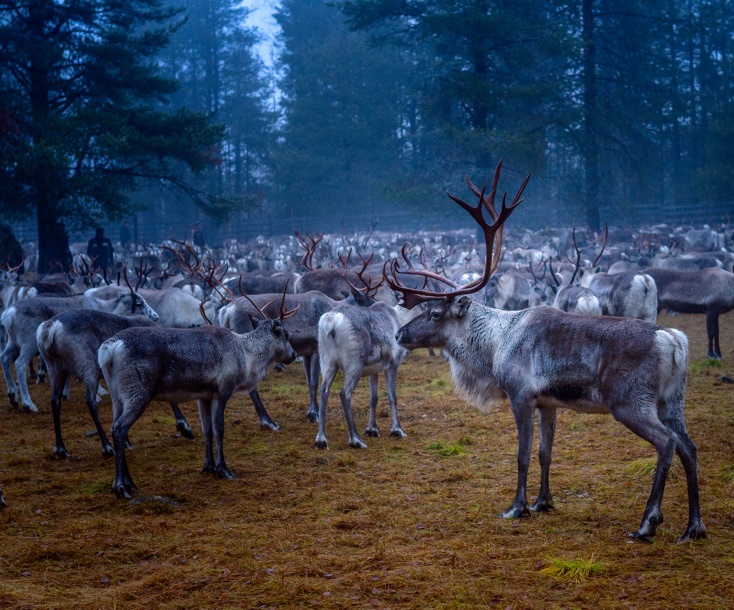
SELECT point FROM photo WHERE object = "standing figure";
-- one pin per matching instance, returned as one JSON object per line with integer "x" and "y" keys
{"x": 197, "y": 235}
{"x": 100, "y": 250}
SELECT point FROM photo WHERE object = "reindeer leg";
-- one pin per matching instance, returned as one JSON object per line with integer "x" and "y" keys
{"x": 217, "y": 411}
{"x": 21, "y": 365}
{"x": 523, "y": 410}
{"x": 10, "y": 353}
{"x": 391, "y": 375}
{"x": 371, "y": 429}
{"x": 58, "y": 383}
{"x": 327, "y": 378}
{"x": 688, "y": 454}
{"x": 645, "y": 424}
{"x": 182, "y": 425}
{"x": 547, "y": 417}
{"x": 41, "y": 375}
{"x": 91, "y": 386}
{"x": 265, "y": 422}
{"x": 712, "y": 329}
{"x": 351, "y": 379}
{"x": 311, "y": 368}
{"x": 125, "y": 416}
{"x": 205, "y": 417}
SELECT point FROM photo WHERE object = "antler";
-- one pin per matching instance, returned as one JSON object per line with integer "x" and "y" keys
{"x": 577, "y": 264}
{"x": 284, "y": 313}
{"x": 368, "y": 287}
{"x": 492, "y": 239}
{"x": 310, "y": 248}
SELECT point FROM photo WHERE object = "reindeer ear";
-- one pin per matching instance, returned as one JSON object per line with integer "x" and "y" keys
{"x": 253, "y": 320}
{"x": 460, "y": 307}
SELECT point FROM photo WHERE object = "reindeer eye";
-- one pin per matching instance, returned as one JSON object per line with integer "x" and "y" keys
{"x": 435, "y": 314}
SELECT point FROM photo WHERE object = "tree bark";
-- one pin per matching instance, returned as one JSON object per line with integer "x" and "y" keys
{"x": 590, "y": 110}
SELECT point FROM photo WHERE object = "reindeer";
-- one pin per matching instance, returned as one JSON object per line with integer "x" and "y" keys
{"x": 22, "y": 319}
{"x": 361, "y": 342}
{"x": 302, "y": 330}
{"x": 544, "y": 359}
{"x": 709, "y": 291}
{"x": 336, "y": 284}
{"x": 572, "y": 298}
{"x": 208, "y": 364}
{"x": 629, "y": 294}
{"x": 68, "y": 343}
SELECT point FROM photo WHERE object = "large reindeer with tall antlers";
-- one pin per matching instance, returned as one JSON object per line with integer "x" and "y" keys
{"x": 208, "y": 364}
{"x": 544, "y": 359}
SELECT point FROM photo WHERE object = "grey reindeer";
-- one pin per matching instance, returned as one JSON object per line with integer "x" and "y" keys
{"x": 68, "y": 343}
{"x": 208, "y": 364}
{"x": 544, "y": 359}
{"x": 360, "y": 341}
{"x": 22, "y": 320}
{"x": 707, "y": 291}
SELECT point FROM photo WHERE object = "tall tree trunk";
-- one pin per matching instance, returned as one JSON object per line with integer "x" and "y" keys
{"x": 53, "y": 242}
{"x": 590, "y": 110}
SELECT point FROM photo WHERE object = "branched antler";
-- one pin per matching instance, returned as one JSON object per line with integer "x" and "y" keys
{"x": 284, "y": 313}
{"x": 369, "y": 288}
{"x": 309, "y": 244}
{"x": 492, "y": 239}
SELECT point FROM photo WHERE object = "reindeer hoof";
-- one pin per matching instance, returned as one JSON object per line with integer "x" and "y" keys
{"x": 541, "y": 506}
{"x": 640, "y": 537}
{"x": 183, "y": 427}
{"x": 269, "y": 424}
{"x": 208, "y": 468}
{"x": 312, "y": 416}
{"x": 61, "y": 453}
{"x": 321, "y": 443}
{"x": 13, "y": 401}
{"x": 514, "y": 512}
{"x": 357, "y": 443}
{"x": 224, "y": 473}
{"x": 398, "y": 433}
{"x": 373, "y": 432}
{"x": 108, "y": 451}
{"x": 696, "y": 531}
{"x": 30, "y": 408}
{"x": 121, "y": 491}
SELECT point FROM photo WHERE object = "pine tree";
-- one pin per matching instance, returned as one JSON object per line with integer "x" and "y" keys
{"x": 83, "y": 115}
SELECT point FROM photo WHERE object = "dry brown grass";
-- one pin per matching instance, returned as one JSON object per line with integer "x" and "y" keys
{"x": 408, "y": 523}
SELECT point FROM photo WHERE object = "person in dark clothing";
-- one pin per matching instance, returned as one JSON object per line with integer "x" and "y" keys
{"x": 100, "y": 250}
{"x": 197, "y": 235}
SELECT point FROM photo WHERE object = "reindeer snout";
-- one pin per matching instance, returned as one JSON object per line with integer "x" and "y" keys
{"x": 291, "y": 357}
{"x": 399, "y": 337}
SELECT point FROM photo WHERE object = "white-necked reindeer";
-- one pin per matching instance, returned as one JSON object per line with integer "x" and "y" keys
{"x": 208, "y": 364}
{"x": 545, "y": 359}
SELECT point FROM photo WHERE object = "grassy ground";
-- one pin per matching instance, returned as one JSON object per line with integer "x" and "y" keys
{"x": 409, "y": 523}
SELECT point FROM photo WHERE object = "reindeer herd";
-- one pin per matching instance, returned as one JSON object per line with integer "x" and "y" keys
{"x": 529, "y": 316}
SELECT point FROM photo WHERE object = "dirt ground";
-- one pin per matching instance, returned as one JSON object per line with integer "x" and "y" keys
{"x": 408, "y": 523}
